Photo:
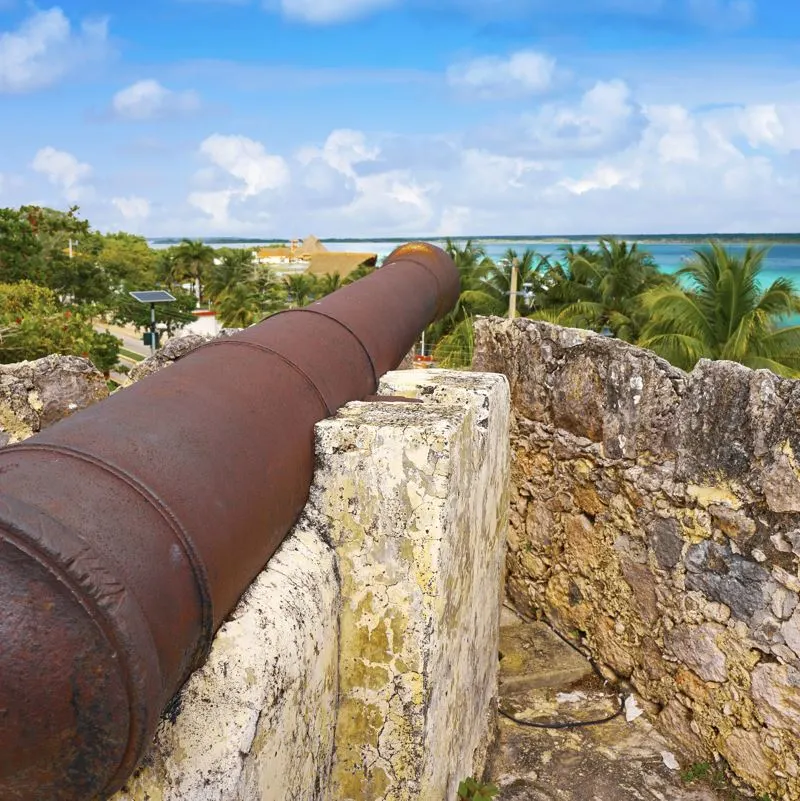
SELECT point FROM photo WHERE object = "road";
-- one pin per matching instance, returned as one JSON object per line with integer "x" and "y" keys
{"x": 131, "y": 339}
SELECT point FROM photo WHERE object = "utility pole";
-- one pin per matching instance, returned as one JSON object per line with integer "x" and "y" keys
{"x": 512, "y": 295}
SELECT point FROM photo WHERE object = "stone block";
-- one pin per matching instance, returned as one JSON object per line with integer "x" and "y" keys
{"x": 416, "y": 499}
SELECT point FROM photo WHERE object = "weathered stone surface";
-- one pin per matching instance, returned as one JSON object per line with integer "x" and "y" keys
{"x": 666, "y": 541}
{"x": 371, "y": 636}
{"x": 723, "y": 576}
{"x": 776, "y": 692}
{"x": 175, "y": 349}
{"x": 620, "y": 760}
{"x": 753, "y": 761}
{"x": 696, "y": 647}
{"x": 419, "y": 534}
{"x": 683, "y": 572}
{"x": 33, "y": 395}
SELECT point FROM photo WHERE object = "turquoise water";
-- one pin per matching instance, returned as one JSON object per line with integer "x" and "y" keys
{"x": 781, "y": 261}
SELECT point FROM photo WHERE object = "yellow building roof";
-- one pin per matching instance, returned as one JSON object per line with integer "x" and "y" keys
{"x": 328, "y": 263}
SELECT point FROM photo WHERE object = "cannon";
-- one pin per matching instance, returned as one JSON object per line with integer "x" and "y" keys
{"x": 129, "y": 531}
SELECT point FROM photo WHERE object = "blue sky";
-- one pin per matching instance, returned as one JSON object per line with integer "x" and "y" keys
{"x": 374, "y": 118}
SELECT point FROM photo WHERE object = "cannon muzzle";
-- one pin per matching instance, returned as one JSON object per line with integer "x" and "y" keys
{"x": 129, "y": 531}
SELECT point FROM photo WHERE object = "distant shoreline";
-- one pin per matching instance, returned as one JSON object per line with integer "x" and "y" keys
{"x": 645, "y": 239}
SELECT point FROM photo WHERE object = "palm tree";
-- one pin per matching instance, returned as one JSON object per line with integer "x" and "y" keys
{"x": 530, "y": 270}
{"x": 239, "y": 306}
{"x": 602, "y": 289}
{"x": 235, "y": 267}
{"x": 270, "y": 288}
{"x": 717, "y": 311}
{"x": 455, "y": 349}
{"x": 329, "y": 283}
{"x": 194, "y": 259}
{"x": 301, "y": 289}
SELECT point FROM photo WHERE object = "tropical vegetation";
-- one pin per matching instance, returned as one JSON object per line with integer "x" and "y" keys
{"x": 61, "y": 282}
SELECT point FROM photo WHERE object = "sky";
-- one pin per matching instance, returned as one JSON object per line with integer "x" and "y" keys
{"x": 404, "y": 118}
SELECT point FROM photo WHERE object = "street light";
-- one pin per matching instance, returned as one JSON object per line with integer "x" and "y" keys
{"x": 152, "y": 296}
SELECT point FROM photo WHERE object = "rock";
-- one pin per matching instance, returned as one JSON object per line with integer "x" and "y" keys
{"x": 776, "y": 692}
{"x": 34, "y": 395}
{"x": 665, "y": 537}
{"x": 696, "y": 646}
{"x": 784, "y": 603}
{"x": 175, "y": 349}
{"x": 781, "y": 481}
{"x": 675, "y": 721}
{"x": 791, "y": 631}
{"x": 733, "y": 522}
{"x": 754, "y": 763}
{"x": 643, "y": 586}
{"x": 740, "y": 584}
{"x": 715, "y": 426}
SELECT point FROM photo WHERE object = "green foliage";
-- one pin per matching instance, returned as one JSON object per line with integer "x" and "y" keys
{"x": 700, "y": 770}
{"x": 21, "y": 255}
{"x": 603, "y": 289}
{"x": 456, "y": 348}
{"x": 239, "y": 306}
{"x": 472, "y": 790}
{"x": 34, "y": 324}
{"x": 104, "y": 351}
{"x": 193, "y": 261}
{"x": 717, "y": 311}
{"x": 301, "y": 289}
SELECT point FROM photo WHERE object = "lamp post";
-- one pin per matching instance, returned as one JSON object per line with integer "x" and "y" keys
{"x": 152, "y": 297}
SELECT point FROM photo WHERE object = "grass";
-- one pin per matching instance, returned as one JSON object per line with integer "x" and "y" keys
{"x": 131, "y": 356}
{"x": 715, "y": 777}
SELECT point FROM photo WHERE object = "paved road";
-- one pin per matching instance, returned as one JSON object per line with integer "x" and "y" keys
{"x": 131, "y": 339}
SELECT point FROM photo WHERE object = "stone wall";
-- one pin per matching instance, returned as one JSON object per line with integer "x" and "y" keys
{"x": 361, "y": 664}
{"x": 34, "y": 395}
{"x": 655, "y": 516}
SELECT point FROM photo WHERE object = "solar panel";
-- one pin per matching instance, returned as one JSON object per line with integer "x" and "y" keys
{"x": 153, "y": 296}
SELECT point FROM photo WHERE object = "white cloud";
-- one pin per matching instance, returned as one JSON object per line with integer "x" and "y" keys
{"x": 257, "y": 173}
{"x": 605, "y": 119}
{"x": 330, "y": 11}
{"x": 63, "y": 170}
{"x": 248, "y": 161}
{"x": 148, "y": 99}
{"x": 773, "y": 125}
{"x": 132, "y": 208}
{"x": 215, "y": 204}
{"x": 521, "y": 73}
{"x": 45, "y": 48}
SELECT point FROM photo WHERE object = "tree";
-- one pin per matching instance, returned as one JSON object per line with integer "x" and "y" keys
{"x": 128, "y": 261}
{"x": 327, "y": 284}
{"x": 33, "y": 324}
{"x": 21, "y": 256}
{"x": 239, "y": 306}
{"x": 476, "y": 296}
{"x": 530, "y": 268}
{"x": 193, "y": 261}
{"x": 236, "y": 266}
{"x": 301, "y": 289}
{"x": 104, "y": 351}
{"x": 271, "y": 290}
{"x": 718, "y": 311}
{"x": 603, "y": 289}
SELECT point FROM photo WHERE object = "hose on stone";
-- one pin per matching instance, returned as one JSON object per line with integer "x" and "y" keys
{"x": 577, "y": 724}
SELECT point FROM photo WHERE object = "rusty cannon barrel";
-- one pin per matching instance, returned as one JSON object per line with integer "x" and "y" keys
{"x": 129, "y": 531}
